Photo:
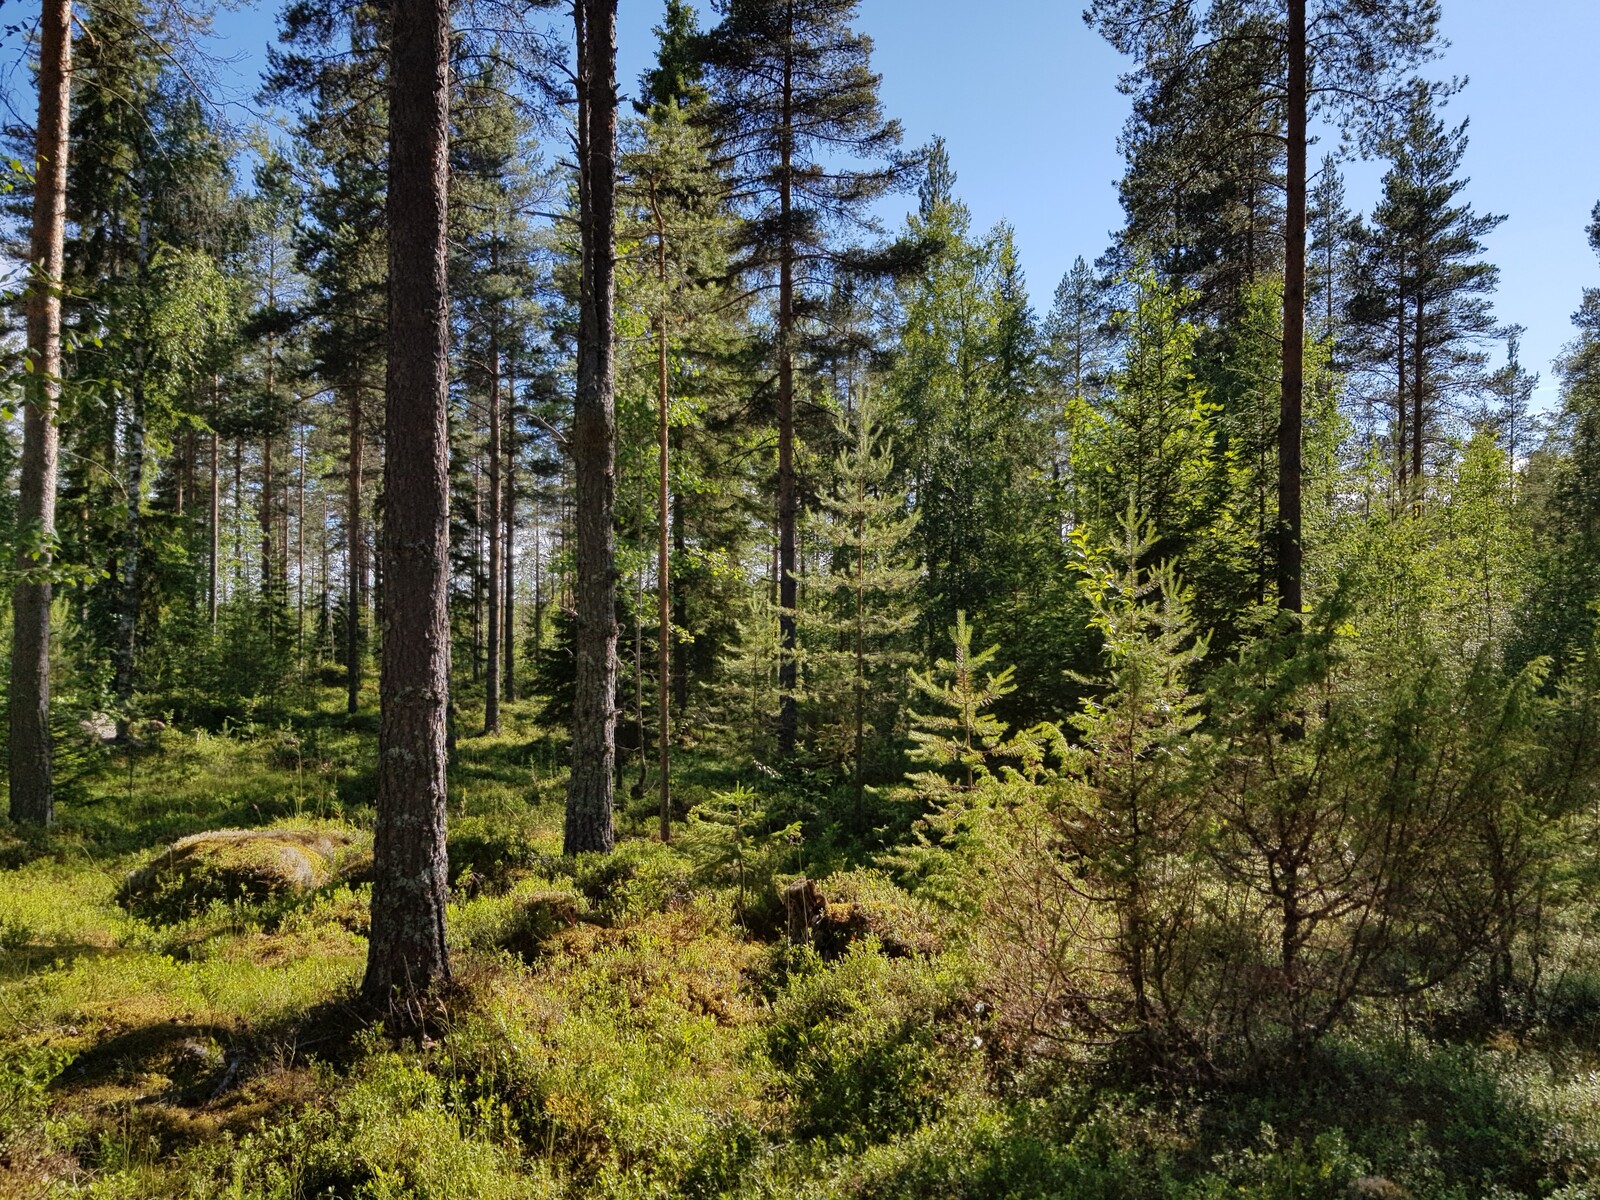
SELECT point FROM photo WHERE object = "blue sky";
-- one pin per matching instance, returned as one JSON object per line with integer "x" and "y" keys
{"x": 1025, "y": 95}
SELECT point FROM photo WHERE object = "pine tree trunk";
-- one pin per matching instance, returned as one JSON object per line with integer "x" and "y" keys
{"x": 663, "y": 536}
{"x": 788, "y": 503}
{"x": 508, "y": 687}
{"x": 1291, "y": 406}
{"x": 32, "y": 798}
{"x": 680, "y": 611}
{"x": 589, "y": 795}
{"x": 216, "y": 523}
{"x": 300, "y": 554}
{"x": 406, "y": 949}
{"x": 491, "y": 674}
{"x": 266, "y": 511}
{"x": 1417, "y": 400}
{"x": 353, "y": 546}
{"x": 477, "y": 568}
{"x": 1402, "y": 461}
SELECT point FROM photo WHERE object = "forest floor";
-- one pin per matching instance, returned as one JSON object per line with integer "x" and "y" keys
{"x": 632, "y": 1026}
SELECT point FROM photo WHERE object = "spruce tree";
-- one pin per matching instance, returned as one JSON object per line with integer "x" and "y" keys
{"x": 856, "y": 635}
{"x": 796, "y": 109}
{"x": 1149, "y": 444}
{"x": 150, "y": 197}
{"x": 976, "y": 439}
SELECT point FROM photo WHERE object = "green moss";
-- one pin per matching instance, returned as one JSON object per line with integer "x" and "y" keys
{"x": 252, "y": 865}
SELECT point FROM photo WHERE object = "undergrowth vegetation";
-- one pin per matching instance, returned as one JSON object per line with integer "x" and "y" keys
{"x": 639, "y": 1025}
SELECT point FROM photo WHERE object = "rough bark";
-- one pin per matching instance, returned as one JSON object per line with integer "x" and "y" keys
{"x": 1291, "y": 402}
{"x": 406, "y": 949}
{"x": 590, "y": 791}
{"x": 30, "y": 780}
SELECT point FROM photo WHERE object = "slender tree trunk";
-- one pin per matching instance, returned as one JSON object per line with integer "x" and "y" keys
{"x": 238, "y": 518}
{"x": 1294, "y": 322}
{"x": 181, "y": 474}
{"x": 266, "y": 515}
{"x": 406, "y": 949}
{"x": 266, "y": 455}
{"x": 788, "y": 501}
{"x": 32, "y": 797}
{"x": 325, "y": 595}
{"x": 861, "y": 648}
{"x": 353, "y": 552}
{"x": 638, "y": 691}
{"x": 216, "y": 522}
{"x": 1418, "y": 392}
{"x": 680, "y": 610}
{"x": 128, "y": 616}
{"x": 477, "y": 568}
{"x": 508, "y": 687}
{"x": 663, "y": 540}
{"x": 491, "y": 675}
{"x": 300, "y": 553}
{"x": 1401, "y": 457}
{"x": 590, "y": 794}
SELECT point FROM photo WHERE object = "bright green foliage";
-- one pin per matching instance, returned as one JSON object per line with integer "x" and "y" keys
{"x": 733, "y": 841}
{"x": 963, "y": 741}
{"x": 854, "y": 629}
{"x": 977, "y": 446}
{"x": 1562, "y": 495}
{"x": 150, "y": 195}
{"x": 1182, "y": 897}
{"x": 748, "y": 695}
{"x": 1128, "y": 810}
{"x": 858, "y": 1042}
{"x": 1149, "y": 443}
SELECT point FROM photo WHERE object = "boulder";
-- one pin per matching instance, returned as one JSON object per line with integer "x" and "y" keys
{"x": 238, "y": 864}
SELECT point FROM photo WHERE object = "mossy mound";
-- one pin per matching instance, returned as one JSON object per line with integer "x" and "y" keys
{"x": 866, "y": 903}
{"x": 523, "y": 920}
{"x": 253, "y": 865}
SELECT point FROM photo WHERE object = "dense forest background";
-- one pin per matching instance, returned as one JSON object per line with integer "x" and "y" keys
{"x": 883, "y": 739}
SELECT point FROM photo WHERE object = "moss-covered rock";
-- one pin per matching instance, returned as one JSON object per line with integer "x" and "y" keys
{"x": 242, "y": 864}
